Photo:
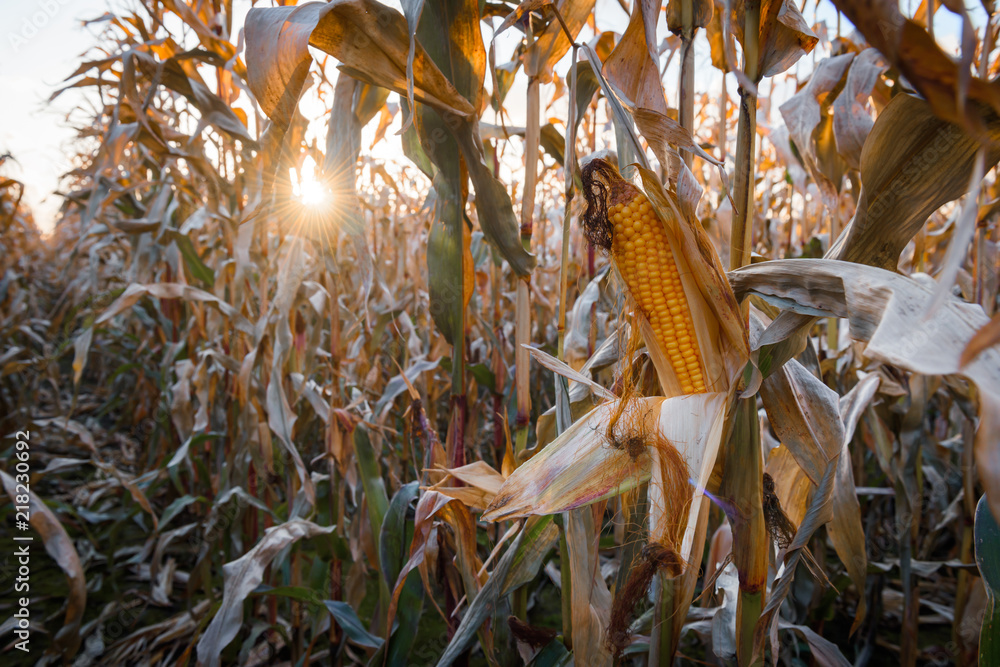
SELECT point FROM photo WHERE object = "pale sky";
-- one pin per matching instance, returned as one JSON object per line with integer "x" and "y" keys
{"x": 40, "y": 45}
{"x": 43, "y": 40}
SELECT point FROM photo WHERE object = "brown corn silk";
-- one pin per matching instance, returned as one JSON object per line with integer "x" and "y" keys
{"x": 532, "y": 635}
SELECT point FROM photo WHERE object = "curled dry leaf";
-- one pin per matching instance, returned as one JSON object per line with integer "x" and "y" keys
{"x": 242, "y": 576}
{"x": 852, "y": 120}
{"x": 805, "y": 416}
{"x": 632, "y": 69}
{"x": 912, "y": 163}
{"x": 481, "y": 480}
{"x": 886, "y": 310}
{"x": 365, "y": 36}
{"x": 553, "y": 43}
{"x": 802, "y": 114}
{"x": 908, "y": 46}
{"x": 60, "y": 547}
{"x": 784, "y": 35}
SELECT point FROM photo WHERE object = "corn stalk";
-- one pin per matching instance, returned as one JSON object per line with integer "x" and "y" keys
{"x": 569, "y": 167}
{"x": 522, "y": 326}
{"x": 744, "y": 467}
{"x": 666, "y": 630}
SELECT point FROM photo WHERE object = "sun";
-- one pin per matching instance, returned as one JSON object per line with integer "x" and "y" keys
{"x": 311, "y": 191}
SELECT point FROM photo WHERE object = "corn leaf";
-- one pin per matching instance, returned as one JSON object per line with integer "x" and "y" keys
{"x": 515, "y": 568}
{"x": 987, "y": 538}
{"x": 365, "y": 36}
{"x": 784, "y": 35}
{"x": 845, "y": 528}
{"x": 908, "y": 46}
{"x": 632, "y": 68}
{"x": 59, "y": 547}
{"x": 590, "y": 597}
{"x": 802, "y": 114}
{"x": 887, "y": 311}
{"x": 805, "y": 416}
{"x": 552, "y": 43}
{"x": 242, "y": 576}
{"x": 852, "y": 120}
{"x": 912, "y": 163}
{"x": 348, "y": 620}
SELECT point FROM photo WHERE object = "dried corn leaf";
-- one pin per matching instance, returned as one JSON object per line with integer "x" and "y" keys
{"x": 852, "y": 120}
{"x": 908, "y": 46}
{"x": 136, "y": 291}
{"x": 784, "y": 35}
{"x": 845, "y": 528}
{"x": 632, "y": 68}
{"x": 912, "y": 163}
{"x": 802, "y": 114}
{"x": 242, "y": 576}
{"x": 365, "y": 36}
{"x": 887, "y": 310}
{"x": 60, "y": 548}
{"x": 552, "y": 43}
{"x": 805, "y": 416}
{"x": 591, "y": 599}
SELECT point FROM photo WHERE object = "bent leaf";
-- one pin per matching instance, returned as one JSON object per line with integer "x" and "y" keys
{"x": 887, "y": 310}
{"x": 912, "y": 163}
{"x": 60, "y": 548}
{"x": 987, "y": 537}
{"x": 242, "y": 576}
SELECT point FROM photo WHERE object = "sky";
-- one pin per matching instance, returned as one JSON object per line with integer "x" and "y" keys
{"x": 40, "y": 45}
{"x": 43, "y": 41}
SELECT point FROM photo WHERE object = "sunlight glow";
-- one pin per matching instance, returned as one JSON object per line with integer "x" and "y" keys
{"x": 311, "y": 191}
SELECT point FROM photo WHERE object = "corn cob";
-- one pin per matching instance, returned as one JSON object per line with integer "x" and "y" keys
{"x": 626, "y": 225}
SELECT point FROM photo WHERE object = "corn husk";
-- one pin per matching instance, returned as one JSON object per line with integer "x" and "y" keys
{"x": 580, "y": 467}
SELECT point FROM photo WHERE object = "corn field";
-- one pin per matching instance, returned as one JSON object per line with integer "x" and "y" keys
{"x": 469, "y": 332}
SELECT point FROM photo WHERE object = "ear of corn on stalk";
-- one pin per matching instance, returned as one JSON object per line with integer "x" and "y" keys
{"x": 681, "y": 299}
{"x": 686, "y": 313}
{"x": 690, "y": 322}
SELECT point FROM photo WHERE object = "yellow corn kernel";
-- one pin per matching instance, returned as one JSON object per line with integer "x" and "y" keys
{"x": 644, "y": 258}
